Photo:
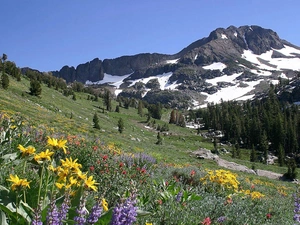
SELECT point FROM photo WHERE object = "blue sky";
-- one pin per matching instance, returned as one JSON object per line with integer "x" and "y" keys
{"x": 48, "y": 34}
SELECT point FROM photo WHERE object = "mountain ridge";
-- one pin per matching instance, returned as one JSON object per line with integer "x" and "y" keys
{"x": 249, "y": 53}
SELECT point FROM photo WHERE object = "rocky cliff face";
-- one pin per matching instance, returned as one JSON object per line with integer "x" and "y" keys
{"x": 192, "y": 69}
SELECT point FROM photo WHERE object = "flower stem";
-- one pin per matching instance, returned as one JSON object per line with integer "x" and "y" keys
{"x": 40, "y": 187}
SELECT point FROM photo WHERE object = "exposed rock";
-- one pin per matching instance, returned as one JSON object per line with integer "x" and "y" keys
{"x": 203, "y": 153}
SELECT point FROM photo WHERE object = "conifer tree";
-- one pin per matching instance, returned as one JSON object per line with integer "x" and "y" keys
{"x": 281, "y": 155}
{"x": 140, "y": 108}
{"x": 35, "y": 88}
{"x": 96, "y": 122}
{"x": 173, "y": 117}
{"x": 253, "y": 155}
{"x": 107, "y": 100}
{"x": 117, "y": 109}
{"x": 4, "y": 81}
{"x": 159, "y": 139}
{"x": 120, "y": 125}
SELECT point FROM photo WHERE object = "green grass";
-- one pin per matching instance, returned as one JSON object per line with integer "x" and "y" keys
{"x": 52, "y": 110}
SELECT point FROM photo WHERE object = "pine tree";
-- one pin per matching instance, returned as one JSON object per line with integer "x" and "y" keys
{"x": 253, "y": 155}
{"x": 35, "y": 88}
{"x": 120, "y": 125}
{"x": 159, "y": 139}
{"x": 74, "y": 97}
{"x": 4, "y": 81}
{"x": 107, "y": 100}
{"x": 173, "y": 117}
{"x": 140, "y": 108}
{"x": 117, "y": 109}
{"x": 281, "y": 155}
{"x": 96, "y": 122}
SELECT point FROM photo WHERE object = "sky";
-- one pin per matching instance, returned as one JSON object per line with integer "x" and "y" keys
{"x": 49, "y": 34}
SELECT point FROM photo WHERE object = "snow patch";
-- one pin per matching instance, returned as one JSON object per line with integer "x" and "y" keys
{"x": 231, "y": 93}
{"x": 173, "y": 61}
{"x": 225, "y": 78}
{"x": 235, "y": 34}
{"x": 163, "y": 80}
{"x": 278, "y": 63}
{"x": 113, "y": 80}
{"x": 223, "y": 36}
{"x": 215, "y": 66}
{"x": 288, "y": 51}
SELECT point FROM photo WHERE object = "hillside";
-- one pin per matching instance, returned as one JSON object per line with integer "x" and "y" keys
{"x": 57, "y": 115}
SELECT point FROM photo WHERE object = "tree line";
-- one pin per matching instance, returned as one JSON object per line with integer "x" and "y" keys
{"x": 265, "y": 125}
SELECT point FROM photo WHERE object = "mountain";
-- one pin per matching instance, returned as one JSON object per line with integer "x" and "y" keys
{"x": 230, "y": 64}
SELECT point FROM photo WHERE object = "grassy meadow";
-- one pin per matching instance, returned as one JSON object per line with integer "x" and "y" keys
{"x": 57, "y": 169}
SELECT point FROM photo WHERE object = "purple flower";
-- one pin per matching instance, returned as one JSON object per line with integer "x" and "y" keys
{"x": 64, "y": 208}
{"x": 95, "y": 214}
{"x": 52, "y": 215}
{"x": 80, "y": 219}
{"x": 125, "y": 213}
{"x": 179, "y": 196}
{"x": 221, "y": 219}
{"x": 37, "y": 216}
{"x": 297, "y": 209}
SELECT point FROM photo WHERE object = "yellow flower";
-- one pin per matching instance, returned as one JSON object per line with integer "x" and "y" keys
{"x": 256, "y": 194}
{"x": 17, "y": 182}
{"x": 69, "y": 163}
{"x": 62, "y": 144}
{"x": 59, "y": 185}
{"x": 26, "y": 151}
{"x": 81, "y": 175}
{"x": 43, "y": 156}
{"x": 148, "y": 223}
{"x": 90, "y": 183}
{"x": 104, "y": 204}
{"x": 72, "y": 182}
{"x": 57, "y": 144}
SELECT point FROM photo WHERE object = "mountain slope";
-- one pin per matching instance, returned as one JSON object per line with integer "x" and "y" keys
{"x": 233, "y": 63}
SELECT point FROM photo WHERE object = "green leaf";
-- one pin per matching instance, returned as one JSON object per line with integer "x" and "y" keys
{"x": 105, "y": 218}
{"x": 3, "y": 218}
{"x": 143, "y": 213}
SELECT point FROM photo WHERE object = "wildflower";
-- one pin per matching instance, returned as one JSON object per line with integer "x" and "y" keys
{"x": 206, "y": 221}
{"x": 256, "y": 195}
{"x": 17, "y": 182}
{"x": 104, "y": 204}
{"x": 148, "y": 223}
{"x": 90, "y": 183}
{"x": 37, "y": 216}
{"x": 43, "y": 156}
{"x": 193, "y": 172}
{"x": 95, "y": 214}
{"x": 296, "y": 209}
{"x": 92, "y": 168}
{"x": 269, "y": 215}
{"x": 26, "y": 151}
{"x": 58, "y": 144}
{"x": 52, "y": 214}
{"x": 81, "y": 176}
{"x": 64, "y": 207}
{"x": 71, "y": 164}
{"x": 221, "y": 219}
{"x": 179, "y": 196}
{"x": 80, "y": 219}
{"x": 124, "y": 214}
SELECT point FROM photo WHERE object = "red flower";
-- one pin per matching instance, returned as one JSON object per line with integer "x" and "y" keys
{"x": 206, "y": 221}
{"x": 193, "y": 172}
{"x": 95, "y": 148}
{"x": 121, "y": 164}
{"x": 124, "y": 172}
{"x": 92, "y": 168}
{"x": 104, "y": 157}
{"x": 269, "y": 216}
{"x": 143, "y": 170}
{"x": 159, "y": 201}
{"x": 166, "y": 183}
